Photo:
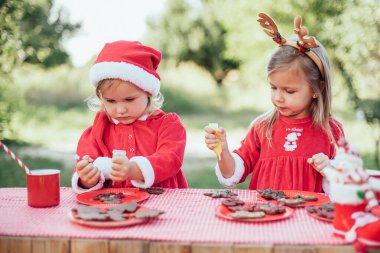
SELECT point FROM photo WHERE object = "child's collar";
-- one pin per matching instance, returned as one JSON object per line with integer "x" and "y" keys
{"x": 142, "y": 118}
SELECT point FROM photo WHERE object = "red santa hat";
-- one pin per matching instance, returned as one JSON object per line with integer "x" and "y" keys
{"x": 129, "y": 61}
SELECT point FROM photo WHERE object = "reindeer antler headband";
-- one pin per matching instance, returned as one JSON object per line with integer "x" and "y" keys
{"x": 303, "y": 44}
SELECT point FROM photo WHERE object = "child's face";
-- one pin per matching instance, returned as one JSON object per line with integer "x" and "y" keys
{"x": 124, "y": 101}
{"x": 290, "y": 93}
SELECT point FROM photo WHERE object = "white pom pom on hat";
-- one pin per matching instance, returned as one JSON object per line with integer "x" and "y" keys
{"x": 129, "y": 61}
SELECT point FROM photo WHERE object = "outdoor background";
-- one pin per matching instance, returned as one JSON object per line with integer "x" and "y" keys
{"x": 213, "y": 70}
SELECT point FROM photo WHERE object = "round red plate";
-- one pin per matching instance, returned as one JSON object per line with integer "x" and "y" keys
{"x": 322, "y": 199}
{"x": 131, "y": 194}
{"x": 315, "y": 216}
{"x": 223, "y": 212}
{"x": 107, "y": 224}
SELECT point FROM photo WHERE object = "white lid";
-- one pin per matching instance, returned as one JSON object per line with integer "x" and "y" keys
{"x": 117, "y": 152}
{"x": 213, "y": 126}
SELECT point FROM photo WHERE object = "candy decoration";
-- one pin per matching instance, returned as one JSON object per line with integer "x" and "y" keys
{"x": 352, "y": 194}
{"x": 14, "y": 157}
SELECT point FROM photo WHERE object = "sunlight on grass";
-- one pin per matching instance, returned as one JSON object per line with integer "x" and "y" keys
{"x": 53, "y": 128}
{"x": 60, "y": 130}
{"x": 12, "y": 175}
{"x": 206, "y": 179}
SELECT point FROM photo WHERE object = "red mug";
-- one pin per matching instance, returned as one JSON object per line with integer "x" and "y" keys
{"x": 43, "y": 187}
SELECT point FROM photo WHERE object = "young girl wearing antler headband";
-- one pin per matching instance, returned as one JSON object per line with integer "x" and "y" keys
{"x": 287, "y": 146}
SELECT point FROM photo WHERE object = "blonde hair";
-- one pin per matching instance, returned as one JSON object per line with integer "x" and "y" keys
{"x": 95, "y": 103}
{"x": 290, "y": 58}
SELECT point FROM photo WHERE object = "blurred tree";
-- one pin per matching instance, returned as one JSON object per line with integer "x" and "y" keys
{"x": 188, "y": 33}
{"x": 212, "y": 33}
{"x": 358, "y": 59}
{"x": 350, "y": 30}
{"x": 29, "y": 32}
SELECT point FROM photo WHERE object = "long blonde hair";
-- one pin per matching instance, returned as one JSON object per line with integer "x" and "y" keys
{"x": 95, "y": 103}
{"x": 290, "y": 58}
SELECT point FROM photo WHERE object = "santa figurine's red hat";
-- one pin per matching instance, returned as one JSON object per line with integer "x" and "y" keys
{"x": 129, "y": 61}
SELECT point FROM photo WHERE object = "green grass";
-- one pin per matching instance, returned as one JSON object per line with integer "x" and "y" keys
{"x": 55, "y": 118}
{"x": 206, "y": 179}
{"x": 50, "y": 132}
{"x": 12, "y": 175}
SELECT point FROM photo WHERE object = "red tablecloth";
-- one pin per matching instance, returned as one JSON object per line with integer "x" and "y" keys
{"x": 189, "y": 217}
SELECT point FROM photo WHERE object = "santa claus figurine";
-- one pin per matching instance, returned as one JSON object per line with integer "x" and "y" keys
{"x": 351, "y": 190}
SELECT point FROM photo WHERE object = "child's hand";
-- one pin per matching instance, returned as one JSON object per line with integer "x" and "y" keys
{"x": 216, "y": 139}
{"x": 120, "y": 168}
{"x": 319, "y": 161}
{"x": 88, "y": 175}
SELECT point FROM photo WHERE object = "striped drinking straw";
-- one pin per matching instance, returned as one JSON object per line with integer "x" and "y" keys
{"x": 14, "y": 157}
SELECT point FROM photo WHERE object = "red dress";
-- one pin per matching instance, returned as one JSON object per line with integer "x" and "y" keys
{"x": 160, "y": 138}
{"x": 283, "y": 164}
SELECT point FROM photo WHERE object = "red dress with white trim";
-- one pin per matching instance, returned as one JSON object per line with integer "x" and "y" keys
{"x": 282, "y": 163}
{"x": 160, "y": 140}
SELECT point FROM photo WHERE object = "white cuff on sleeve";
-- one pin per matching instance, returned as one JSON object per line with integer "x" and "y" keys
{"x": 104, "y": 164}
{"x": 238, "y": 174}
{"x": 77, "y": 189}
{"x": 147, "y": 171}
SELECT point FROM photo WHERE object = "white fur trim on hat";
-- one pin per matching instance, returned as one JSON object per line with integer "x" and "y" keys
{"x": 147, "y": 171}
{"x": 238, "y": 174}
{"x": 127, "y": 72}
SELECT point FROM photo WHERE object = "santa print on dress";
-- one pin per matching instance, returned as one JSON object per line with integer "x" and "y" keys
{"x": 291, "y": 141}
{"x": 292, "y": 138}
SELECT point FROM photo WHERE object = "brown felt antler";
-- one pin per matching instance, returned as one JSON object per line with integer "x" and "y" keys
{"x": 270, "y": 28}
{"x": 303, "y": 44}
{"x": 308, "y": 42}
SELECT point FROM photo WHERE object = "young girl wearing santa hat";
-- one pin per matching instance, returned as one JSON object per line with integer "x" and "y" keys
{"x": 129, "y": 121}
{"x": 286, "y": 147}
